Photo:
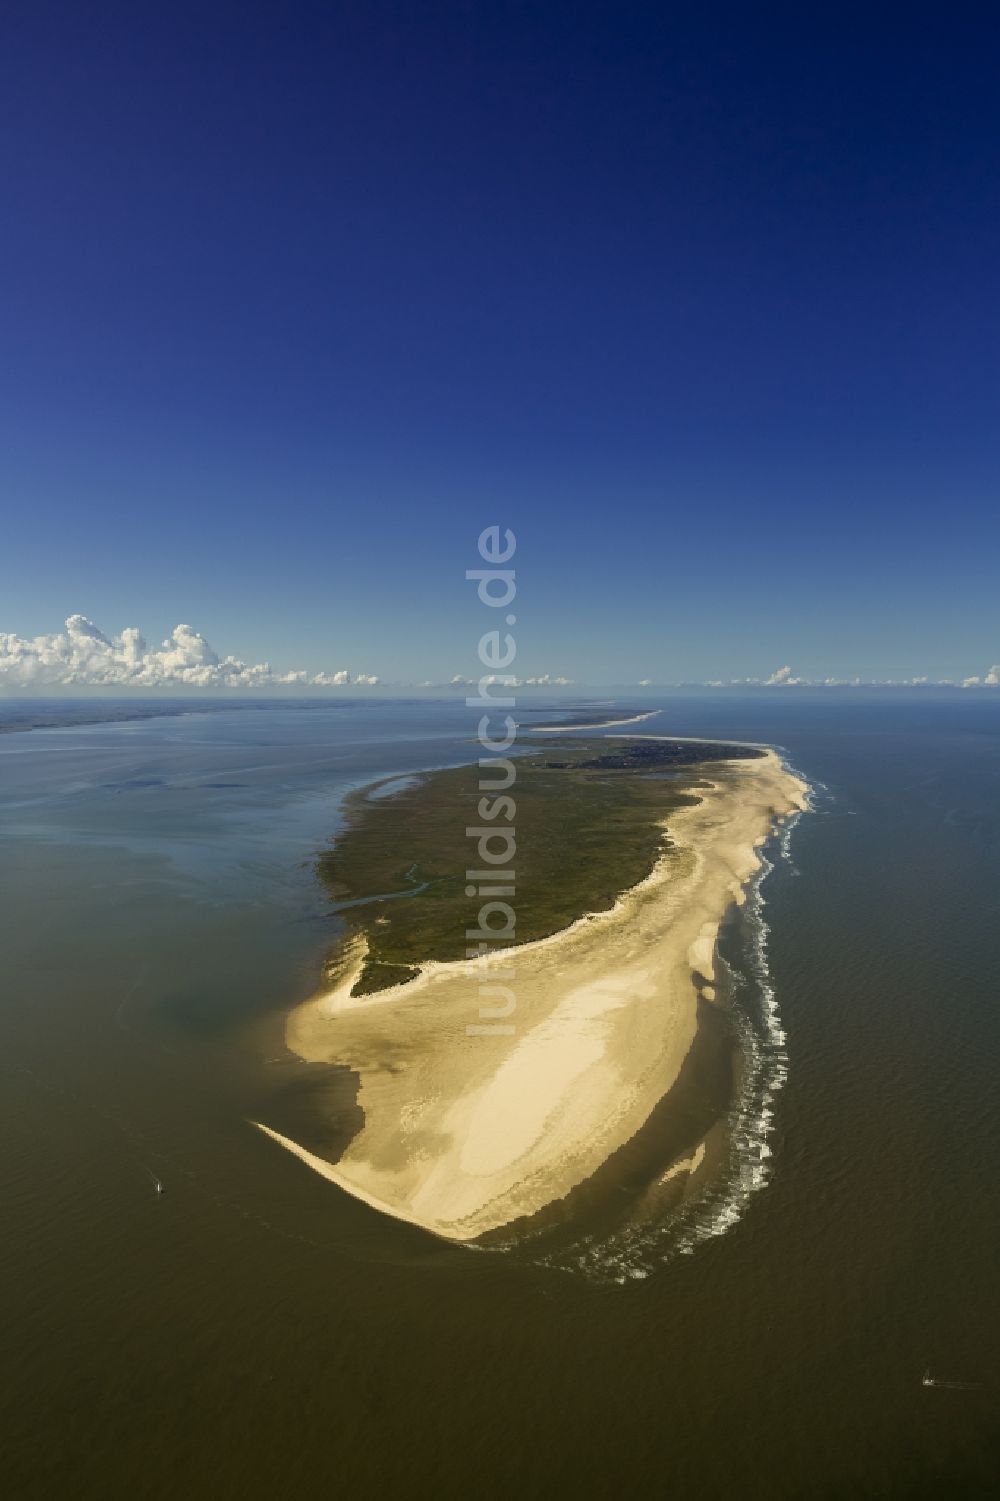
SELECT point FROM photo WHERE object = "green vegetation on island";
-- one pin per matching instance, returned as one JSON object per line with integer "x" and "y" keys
{"x": 587, "y": 824}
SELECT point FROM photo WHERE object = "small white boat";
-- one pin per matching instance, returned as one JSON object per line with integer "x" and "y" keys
{"x": 954, "y": 1386}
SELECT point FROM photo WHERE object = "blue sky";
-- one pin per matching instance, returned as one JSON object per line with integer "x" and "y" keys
{"x": 701, "y": 303}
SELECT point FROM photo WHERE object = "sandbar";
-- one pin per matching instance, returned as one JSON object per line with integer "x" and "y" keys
{"x": 465, "y": 1133}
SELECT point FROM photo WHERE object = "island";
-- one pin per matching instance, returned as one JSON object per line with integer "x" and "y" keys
{"x": 496, "y": 1077}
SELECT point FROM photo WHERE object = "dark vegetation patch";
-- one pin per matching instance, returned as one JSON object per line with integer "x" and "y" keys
{"x": 587, "y": 826}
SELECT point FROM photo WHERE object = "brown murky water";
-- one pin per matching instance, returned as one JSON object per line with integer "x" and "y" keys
{"x": 250, "y": 1331}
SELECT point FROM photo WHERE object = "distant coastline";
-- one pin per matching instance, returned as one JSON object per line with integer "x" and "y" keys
{"x": 588, "y": 723}
{"x": 20, "y": 716}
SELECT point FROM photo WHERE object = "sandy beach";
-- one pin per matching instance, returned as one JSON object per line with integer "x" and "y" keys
{"x": 465, "y": 1133}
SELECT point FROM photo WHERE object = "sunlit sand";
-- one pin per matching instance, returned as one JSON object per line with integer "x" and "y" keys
{"x": 466, "y": 1133}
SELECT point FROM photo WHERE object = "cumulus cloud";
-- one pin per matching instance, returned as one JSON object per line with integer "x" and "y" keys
{"x": 783, "y": 677}
{"x": 990, "y": 679}
{"x": 503, "y": 679}
{"x": 83, "y": 656}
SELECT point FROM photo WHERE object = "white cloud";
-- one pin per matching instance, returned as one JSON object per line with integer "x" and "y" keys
{"x": 502, "y": 679}
{"x": 990, "y": 679}
{"x": 83, "y": 656}
{"x": 784, "y": 677}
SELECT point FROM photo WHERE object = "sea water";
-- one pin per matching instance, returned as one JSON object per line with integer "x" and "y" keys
{"x": 253, "y": 1330}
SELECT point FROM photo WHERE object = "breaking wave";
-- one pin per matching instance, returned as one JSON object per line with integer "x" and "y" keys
{"x": 652, "y": 1240}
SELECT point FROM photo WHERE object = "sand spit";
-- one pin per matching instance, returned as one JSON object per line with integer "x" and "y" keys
{"x": 465, "y": 1133}
{"x": 603, "y": 724}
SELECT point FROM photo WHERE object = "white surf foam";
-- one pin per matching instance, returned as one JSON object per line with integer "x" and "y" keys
{"x": 634, "y": 1252}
